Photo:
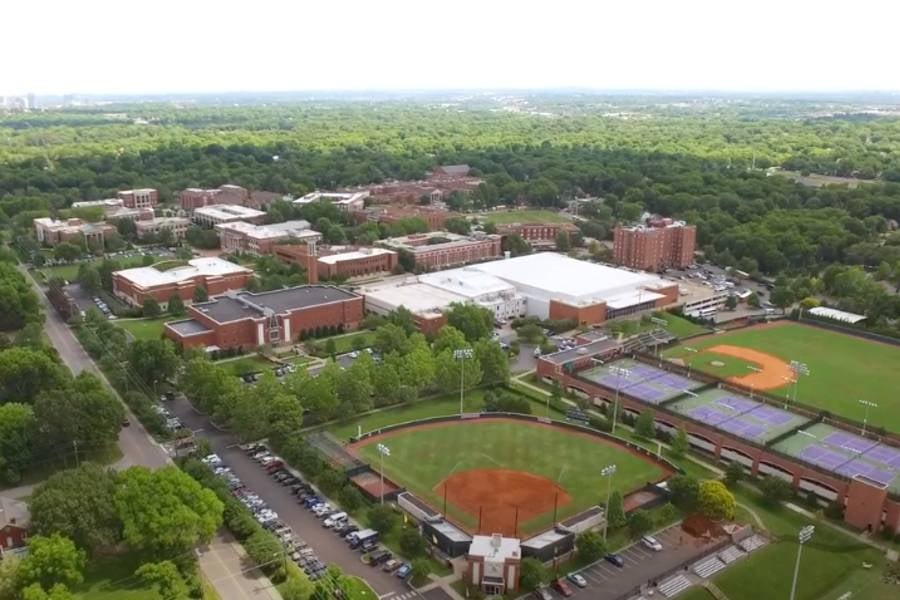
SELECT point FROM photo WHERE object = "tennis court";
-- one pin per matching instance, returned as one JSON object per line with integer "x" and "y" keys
{"x": 644, "y": 382}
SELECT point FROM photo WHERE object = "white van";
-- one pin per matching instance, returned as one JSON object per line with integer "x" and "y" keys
{"x": 334, "y": 519}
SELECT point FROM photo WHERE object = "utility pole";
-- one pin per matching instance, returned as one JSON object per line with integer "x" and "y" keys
{"x": 620, "y": 373}
{"x": 804, "y": 536}
{"x": 608, "y": 471}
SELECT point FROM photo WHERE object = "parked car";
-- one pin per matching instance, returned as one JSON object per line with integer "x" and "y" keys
{"x": 578, "y": 580}
{"x": 615, "y": 559}
{"x": 391, "y": 565}
{"x": 542, "y": 593}
{"x": 404, "y": 571}
{"x": 562, "y": 587}
{"x": 652, "y": 543}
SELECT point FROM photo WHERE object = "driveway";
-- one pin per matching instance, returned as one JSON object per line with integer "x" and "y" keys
{"x": 228, "y": 569}
{"x": 642, "y": 566}
{"x": 330, "y": 548}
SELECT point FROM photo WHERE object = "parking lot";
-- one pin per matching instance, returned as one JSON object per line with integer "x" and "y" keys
{"x": 642, "y": 566}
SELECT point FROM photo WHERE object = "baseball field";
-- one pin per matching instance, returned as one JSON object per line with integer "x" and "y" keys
{"x": 843, "y": 369}
{"x": 508, "y": 473}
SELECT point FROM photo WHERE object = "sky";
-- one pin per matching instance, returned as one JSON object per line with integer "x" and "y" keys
{"x": 166, "y": 46}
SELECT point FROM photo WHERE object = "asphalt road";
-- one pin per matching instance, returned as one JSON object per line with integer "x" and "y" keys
{"x": 329, "y": 547}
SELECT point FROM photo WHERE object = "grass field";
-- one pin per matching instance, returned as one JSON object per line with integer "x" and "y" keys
{"x": 344, "y": 343}
{"x": 422, "y": 458}
{"x": 524, "y": 216}
{"x": 252, "y": 363}
{"x": 112, "y": 578}
{"x": 843, "y": 369}
{"x": 70, "y": 272}
{"x": 145, "y": 329}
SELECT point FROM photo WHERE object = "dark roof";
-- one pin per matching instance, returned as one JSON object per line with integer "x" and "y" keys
{"x": 590, "y": 349}
{"x": 423, "y": 507}
{"x": 583, "y": 515}
{"x": 455, "y": 170}
{"x": 243, "y": 305}
{"x": 189, "y": 327}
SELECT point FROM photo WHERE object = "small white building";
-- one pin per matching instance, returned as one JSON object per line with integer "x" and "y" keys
{"x": 212, "y": 215}
{"x": 487, "y": 291}
{"x": 494, "y": 563}
{"x": 346, "y": 201}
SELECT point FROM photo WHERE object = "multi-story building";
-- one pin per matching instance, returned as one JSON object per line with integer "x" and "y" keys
{"x": 538, "y": 235}
{"x": 194, "y": 198}
{"x": 141, "y": 198}
{"x": 210, "y": 216}
{"x": 655, "y": 244}
{"x": 114, "y": 208}
{"x": 346, "y": 201}
{"x": 52, "y": 232}
{"x": 215, "y": 275}
{"x": 338, "y": 261}
{"x": 154, "y": 226}
{"x": 494, "y": 563}
{"x": 245, "y": 320}
{"x": 432, "y": 215}
{"x": 441, "y": 249}
{"x": 240, "y": 236}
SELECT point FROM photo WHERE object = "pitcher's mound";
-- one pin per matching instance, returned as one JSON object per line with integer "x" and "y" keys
{"x": 497, "y": 493}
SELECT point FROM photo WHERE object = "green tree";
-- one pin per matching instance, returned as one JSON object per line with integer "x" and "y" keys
{"x": 24, "y": 373}
{"x": 150, "y": 308}
{"x": 9, "y": 577}
{"x": 67, "y": 251}
{"x": 753, "y": 300}
{"x": 731, "y": 302}
{"x": 667, "y": 514}
{"x": 449, "y": 338}
{"x": 390, "y": 338}
{"x": 420, "y": 570}
{"x": 165, "y": 511}
{"x": 175, "y": 305}
{"x": 51, "y": 560}
{"x": 590, "y": 546}
{"x": 18, "y": 427}
{"x": 403, "y": 317}
{"x": 644, "y": 424}
{"x": 457, "y": 225}
{"x": 782, "y": 297}
{"x": 447, "y": 371}
{"x": 318, "y": 394}
{"x": 563, "y": 242}
{"x": 165, "y": 578}
{"x": 83, "y": 412}
{"x": 354, "y": 389}
{"x": 57, "y": 592}
{"x": 154, "y": 361}
{"x": 89, "y": 278}
{"x": 417, "y": 369}
{"x": 494, "y": 362}
{"x": 531, "y": 573}
{"x": 263, "y": 548}
{"x": 680, "y": 444}
{"x": 382, "y": 518}
{"x": 411, "y": 543}
{"x": 616, "y": 516}
{"x": 79, "y": 504}
{"x": 715, "y": 501}
{"x": 684, "y": 490}
{"x": 475, "y": 322}
{"x": 734, "y": 472}
{"x": 200, "y": 294}
{"x": 207, "y": 385}
{"x": 330, "y": 347}
{"x": 639, "y": 522}
{"x": 385, "y": 384}
{"x": 775, "y": 490}
{"x": 297, "y": 586}
{"x": 266, "y": 409}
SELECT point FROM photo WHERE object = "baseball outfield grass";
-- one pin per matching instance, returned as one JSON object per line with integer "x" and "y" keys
{"x": 843, "y": 369}
{"x": 422, "y": 458}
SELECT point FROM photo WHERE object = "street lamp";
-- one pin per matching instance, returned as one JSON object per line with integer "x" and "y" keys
{"x": 608, "y": 471}
{"x": 755, "y": 370}
{"x": 868, "y": 405}
{"x": 799, "y": 369}
{"x": 620, "y": 373}
{"x": 692, "y": 351}
{"x": 382, "y": 452}
{"x": 804, "y": 536}
{"x": 462, "y": 354}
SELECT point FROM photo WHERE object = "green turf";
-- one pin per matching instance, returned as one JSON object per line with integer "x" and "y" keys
{"x": 422, "y": 458}
{"x": 252, "y": 363}
{"x": 344, "y": 343}
{"x": 70, "y": 272}
{"x": 524, "y": 216}
{"x": 679, "y": 326}
{"x": 112, "y": 578}
{"x": 145, "y": 329}
{"x": 843, "y": 368}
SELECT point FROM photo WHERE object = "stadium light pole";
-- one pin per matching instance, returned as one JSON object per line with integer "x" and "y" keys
{"x": 462, "y": 354}
{"x": 799, "y": 369}
{"x": 868, "y": 405}
{"x": 382, "y": 452}
{"x": 692, "y": 351}
{"x": 804, "y": 536}
{"x": 620, "y": 373}
{"x": 608, "y": 471}
{"x": 755, "y": 370}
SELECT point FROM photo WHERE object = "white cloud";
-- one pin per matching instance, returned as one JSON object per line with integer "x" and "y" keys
{"x": 60, "y": 46}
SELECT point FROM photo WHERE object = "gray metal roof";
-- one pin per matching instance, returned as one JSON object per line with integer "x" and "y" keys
{"x": 249, "y": 305}
{"x": 589, "y": 349}
{"x": 188, "y": 327}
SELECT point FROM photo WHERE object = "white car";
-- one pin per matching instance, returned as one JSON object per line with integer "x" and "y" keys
{"x": 578, "y": 580}
{"x": 652, "y": 543}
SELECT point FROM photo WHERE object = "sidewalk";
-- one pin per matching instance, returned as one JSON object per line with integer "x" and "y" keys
{"x": 231, "y": 573}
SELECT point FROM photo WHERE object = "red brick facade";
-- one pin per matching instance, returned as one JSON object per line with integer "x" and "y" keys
{"x": 434, "y": 217}
{"x": 135, "y": 295}
{"x": 538, "y": 234}
{"x": 655, "y": 248}
{"x": 143, "y": 198}
{"x": 449, "y": 254}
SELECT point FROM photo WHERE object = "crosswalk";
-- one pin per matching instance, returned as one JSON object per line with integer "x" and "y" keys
{"x": 731, "y": 554}
{"x": 674, "y": 586}
{"x": 708, "y": 566}
{"x": 395, "y": 596}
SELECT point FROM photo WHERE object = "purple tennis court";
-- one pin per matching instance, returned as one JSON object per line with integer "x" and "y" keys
{"x": 851, "y": 442}
{"x": 646, "y": 383}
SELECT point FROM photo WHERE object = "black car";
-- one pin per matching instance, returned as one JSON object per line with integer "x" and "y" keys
{"x": 615, "y": 559}
{"x": 289, "y": 480}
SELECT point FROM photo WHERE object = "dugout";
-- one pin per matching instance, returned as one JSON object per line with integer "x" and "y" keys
{"x": 586, "y": 520}
{"x": 550, "y": 545}
{"x": 446, "y": 537}
{"x": 417, "y": 510}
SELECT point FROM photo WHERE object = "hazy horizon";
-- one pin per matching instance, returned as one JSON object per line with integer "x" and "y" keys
{"x": 103, "y": 47}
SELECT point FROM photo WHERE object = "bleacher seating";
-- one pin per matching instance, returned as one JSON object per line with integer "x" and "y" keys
{"x": 752, "y": 543}
{"x": 731, "y": 554}
{"x": 674, "y": 585}
{"x": 708, "y": 566}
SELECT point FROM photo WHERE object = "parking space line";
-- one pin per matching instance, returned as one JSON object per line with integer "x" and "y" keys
{"x": 593, "y": 577}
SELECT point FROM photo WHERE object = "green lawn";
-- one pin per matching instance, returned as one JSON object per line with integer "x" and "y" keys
{"x": 524, "y": 216}
{"x": 843, "y": 369}
{"x": 112, "y": 578}
{"x": 344, "y": 343}
{"x": 422, "y": 458}
{"x": 145, "y": 329}
{"x": 70, "y": 272}
{"x": 831, "y": 564}
{"x": 679, "y": 326}
{"x": 360, "y": 590}
{"x": 252, "y": 363}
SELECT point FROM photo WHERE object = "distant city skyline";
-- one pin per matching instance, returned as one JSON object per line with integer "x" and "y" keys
{"x": 204, "y": 46}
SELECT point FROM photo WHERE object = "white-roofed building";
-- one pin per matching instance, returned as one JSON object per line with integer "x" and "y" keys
{"x": 346, "y": 201}
{"x": 487, "y": 291}
{"x": 836, "y": 315}
{"x": 214, "y": 214}
{"x": 177, "y": 226}
{"x": 215, "y": 275}
{"x": 494, "y": 563}
{"x": 241, "y": 236}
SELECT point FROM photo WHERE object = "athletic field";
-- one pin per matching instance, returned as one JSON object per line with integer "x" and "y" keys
{"x": 843, "y": 369}
{"x": 493, "y": 466}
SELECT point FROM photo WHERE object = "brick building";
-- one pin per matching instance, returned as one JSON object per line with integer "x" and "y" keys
{"x": 141, "y": 198}
{"x": 493, "y": 564}
{"x": 240, "y": 236}
{"x": 51, "y": 232}
{"x": 14, "y": 523}
{"x": 655, "y": 245}
{"x": 538, "y": 235}
{"x": 215, "y": 214}
{"x": 245, "y": 320}
{"x": 338, "y": 261}
{"x": 441, "y": 249}
{"x": 432, "y": 215}
{"x": 194, "y": 198}
{"x": 178, "y": 226}
{"x": 215, "y": 275}
{"x": 346, "y": 201}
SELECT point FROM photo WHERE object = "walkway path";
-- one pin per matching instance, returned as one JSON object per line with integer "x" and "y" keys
{"x": 445, "y": 583}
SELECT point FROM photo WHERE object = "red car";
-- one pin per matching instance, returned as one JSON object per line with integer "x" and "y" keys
{"x": 562, "y": 587}
{"x": 273, "y": 466}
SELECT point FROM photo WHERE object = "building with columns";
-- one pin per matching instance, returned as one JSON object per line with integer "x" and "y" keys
{"x": 494, "y": 563}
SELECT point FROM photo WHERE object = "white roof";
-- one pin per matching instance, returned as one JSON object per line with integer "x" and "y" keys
{"x": 577, "y": 281}
{"x": 495, "y": 548}
{"x": 228, "y": 211}
{"x": 108, "y": 202}
{"x": 467, "y": 282}
{"x": 837, "y": 315}
{"x": 631, "y": 298}
{"x": 333, "y": 197}
{"x": 210, "y": 266}
{"x": 418, "y": 298}
{"x": 275, "y": 230}
{"x": 353, "y": 255}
